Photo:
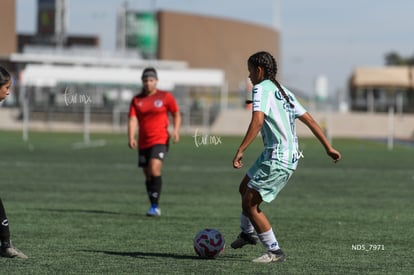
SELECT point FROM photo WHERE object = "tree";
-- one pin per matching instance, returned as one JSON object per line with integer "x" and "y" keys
{"x": 394, "y": 59}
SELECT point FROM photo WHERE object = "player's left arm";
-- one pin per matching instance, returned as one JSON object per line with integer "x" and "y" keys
{"x": 174, "y": 110}
{"x": 308, "y": 120}
{"x": 176, "y": 126}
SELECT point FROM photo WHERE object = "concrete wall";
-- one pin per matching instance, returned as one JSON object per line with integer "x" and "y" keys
{"x": 235, "y": 122}
{"x": 349, "y": 125}
{"x": 8, "y": 36}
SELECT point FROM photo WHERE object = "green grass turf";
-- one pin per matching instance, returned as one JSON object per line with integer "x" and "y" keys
{"x": 82, "y": 211}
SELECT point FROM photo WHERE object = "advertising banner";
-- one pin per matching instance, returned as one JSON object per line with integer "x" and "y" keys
{"x": 142, "y": 33}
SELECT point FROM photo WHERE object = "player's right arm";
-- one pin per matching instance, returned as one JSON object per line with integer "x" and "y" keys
{"x": 257, "y": 120}
{"x": 253, "y": 130}
{"x": 132, "y": 130}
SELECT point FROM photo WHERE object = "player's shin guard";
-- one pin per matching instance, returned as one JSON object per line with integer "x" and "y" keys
{"x": 156, "y": 183}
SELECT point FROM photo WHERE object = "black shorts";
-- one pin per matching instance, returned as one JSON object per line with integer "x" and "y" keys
{"x": 158, "y": 151}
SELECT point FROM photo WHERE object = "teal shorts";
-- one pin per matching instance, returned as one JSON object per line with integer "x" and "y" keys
{"x": 268, "y": 177}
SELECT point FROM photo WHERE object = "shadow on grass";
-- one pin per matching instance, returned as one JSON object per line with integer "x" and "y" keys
{"x": 143, "y": 254}
{"x": 80, "y": 211}
{"x": 155, "y": 254}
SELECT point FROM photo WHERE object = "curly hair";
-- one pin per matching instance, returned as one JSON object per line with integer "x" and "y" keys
{"x": 266, "y": 61}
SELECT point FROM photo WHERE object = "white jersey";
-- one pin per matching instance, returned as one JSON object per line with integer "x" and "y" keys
{"x": 278, "y": 130}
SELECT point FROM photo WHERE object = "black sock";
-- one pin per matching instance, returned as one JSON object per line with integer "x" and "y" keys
{"x": 148, "y": 186}
{"x": 4, "y": 227}
{"x": 156, "y": 183}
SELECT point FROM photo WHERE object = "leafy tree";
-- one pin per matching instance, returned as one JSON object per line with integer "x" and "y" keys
{"x": 394, "y": 59}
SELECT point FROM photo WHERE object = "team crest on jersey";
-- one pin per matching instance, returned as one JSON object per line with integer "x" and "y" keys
{"x": 158, "y": 103}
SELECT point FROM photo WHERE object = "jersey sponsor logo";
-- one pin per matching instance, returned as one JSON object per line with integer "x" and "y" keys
{"x": 278, "y": 95}
{"x": 287, "y": 107}
{"x": 158, "y": 103}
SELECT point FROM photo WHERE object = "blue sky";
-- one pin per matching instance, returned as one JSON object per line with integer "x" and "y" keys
{"x": 318, "y": 37}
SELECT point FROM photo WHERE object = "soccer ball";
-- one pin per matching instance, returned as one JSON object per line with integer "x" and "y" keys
{"x": 209, "y": 243}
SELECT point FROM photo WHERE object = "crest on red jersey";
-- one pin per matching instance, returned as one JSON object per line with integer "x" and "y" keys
{"x": 158, "y": 103}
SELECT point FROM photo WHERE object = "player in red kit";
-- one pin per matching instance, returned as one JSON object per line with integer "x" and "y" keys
{"x": 148, "y": 115}
{"x": 6, "y": 248}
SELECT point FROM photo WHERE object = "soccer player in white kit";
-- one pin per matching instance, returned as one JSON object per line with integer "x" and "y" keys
{"x": 275, "y": 109}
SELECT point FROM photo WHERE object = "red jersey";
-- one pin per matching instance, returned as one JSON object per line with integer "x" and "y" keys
{"x": 152, "y": 113}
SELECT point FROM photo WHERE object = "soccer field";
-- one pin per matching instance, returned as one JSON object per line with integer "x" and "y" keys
{"x": 82, "y": 211}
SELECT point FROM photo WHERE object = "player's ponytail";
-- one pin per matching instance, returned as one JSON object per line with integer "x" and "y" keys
{"x": 282, "y": 91}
